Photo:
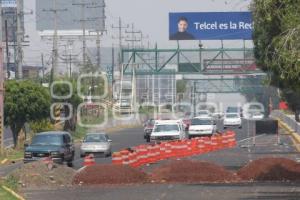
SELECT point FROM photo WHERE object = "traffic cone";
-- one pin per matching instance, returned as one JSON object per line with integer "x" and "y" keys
{"x": 89, "y": 160}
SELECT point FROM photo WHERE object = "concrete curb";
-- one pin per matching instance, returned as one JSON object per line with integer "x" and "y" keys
{"x": 4, "y": 161}
{"x": 291, "y": 132}
{"x": 12, "y": 193}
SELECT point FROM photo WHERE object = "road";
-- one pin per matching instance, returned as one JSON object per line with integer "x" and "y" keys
{"x": 263, "y": 191}
{"x": 120, "y": 140}
{"x": 245, "y": 151}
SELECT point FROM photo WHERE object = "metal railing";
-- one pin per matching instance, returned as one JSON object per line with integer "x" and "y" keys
{"x": 289, "y": 120}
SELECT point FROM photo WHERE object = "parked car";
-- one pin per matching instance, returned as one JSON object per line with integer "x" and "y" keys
{"x": 148, "y": 127}
{"x": 57, "y": 145}
{"x": 232, "y": 120}
{"x": 96, "y": 143}
{"x": 167, "y": 130}
{"x": 202, "y": 126}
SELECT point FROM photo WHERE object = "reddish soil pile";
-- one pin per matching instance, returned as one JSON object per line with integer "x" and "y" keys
{"x": 187, "y": 171}
{"x": 271, "y": 169}
{"x": 109, "y": 174}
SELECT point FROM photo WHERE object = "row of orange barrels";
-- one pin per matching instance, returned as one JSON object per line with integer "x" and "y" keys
{"x": 147, "y": 154}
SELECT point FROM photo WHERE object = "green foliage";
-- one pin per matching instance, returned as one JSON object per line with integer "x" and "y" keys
{"x": 41, "y": 126}
{"x": 25, "y": 101}
{"x": 277, "y": 44}
{"x": 11, "y": 182}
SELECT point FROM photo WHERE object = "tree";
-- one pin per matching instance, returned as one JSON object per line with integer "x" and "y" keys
{"x": 277, "y": 45}
{"x": 25, "y": 101}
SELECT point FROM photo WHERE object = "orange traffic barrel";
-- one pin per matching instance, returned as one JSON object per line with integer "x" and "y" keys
{"x": 117, "y": 158}
{"x": 89, "y": 160}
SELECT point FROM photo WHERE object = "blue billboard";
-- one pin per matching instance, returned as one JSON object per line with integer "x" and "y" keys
{"x": 210, "y": 26}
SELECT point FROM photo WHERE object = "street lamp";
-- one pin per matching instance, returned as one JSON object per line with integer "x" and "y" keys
{"x": 200, "y": 54}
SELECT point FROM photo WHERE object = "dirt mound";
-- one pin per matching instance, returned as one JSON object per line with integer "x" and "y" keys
{"x": 37, "y": 174}
{"x": 109, "y": 174}
{"x": 187, "y": 171}
{"x": 271, "y": 169}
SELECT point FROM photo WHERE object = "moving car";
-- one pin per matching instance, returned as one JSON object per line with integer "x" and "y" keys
{"x": 232, "y": 120}
{"x": 202, "y": 126}
{"x": 203, "y": 113}
{"x": 55, "y": 144}
{"x": 256, "y": 115}
{"x": 148, "y": 127}
{"x": 235, "y": 109}
{"x": 96, "y": 143}
{"x": 167, "y": 130}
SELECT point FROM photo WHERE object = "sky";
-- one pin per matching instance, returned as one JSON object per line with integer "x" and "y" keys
{"x": 148, "y": 16}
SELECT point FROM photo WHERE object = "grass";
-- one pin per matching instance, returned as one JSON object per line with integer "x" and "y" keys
{"x": 11, "y": 182}
{"x": 5, "y": 195}
{"x": 79, "y": 133}
{"x": 12, "y": 154}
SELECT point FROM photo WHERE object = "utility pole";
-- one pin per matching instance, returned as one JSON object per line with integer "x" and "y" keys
{"x": 20, "y": 35}
{"x": 7, "y": 51}
{"x": 43, "y": 67}
{"x": 144, "y": 37}
{"x": 133, "y": 38}
{"x": 54, "y": 10}
{"x": 83, "y": 21}
{"x": 120, "y": 27}
{"x": 1, "y": 90}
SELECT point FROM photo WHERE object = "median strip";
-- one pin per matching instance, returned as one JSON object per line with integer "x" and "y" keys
{"x": 295, "y": 136}
{"x": 19, "y": 197}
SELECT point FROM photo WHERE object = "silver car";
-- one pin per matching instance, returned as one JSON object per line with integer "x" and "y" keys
{"x": 97, "y": 144}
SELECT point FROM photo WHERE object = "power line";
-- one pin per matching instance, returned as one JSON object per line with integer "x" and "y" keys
{"x": 83, "y": 21}
{"x": 133, "y": 38}
{"x": 55, "y": 40}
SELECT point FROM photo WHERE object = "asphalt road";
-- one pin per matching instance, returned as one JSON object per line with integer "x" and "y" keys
{"x": 265, "y": 145}
{"x": 120, "y": 140}
{"x": 132, "y": 137}
{"x": 263, "y": 191}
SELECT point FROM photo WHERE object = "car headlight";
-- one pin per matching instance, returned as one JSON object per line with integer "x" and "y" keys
{"x": 27, "y": 154}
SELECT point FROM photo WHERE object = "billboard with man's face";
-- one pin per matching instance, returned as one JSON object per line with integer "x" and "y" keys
{"x": 210, "y": 26}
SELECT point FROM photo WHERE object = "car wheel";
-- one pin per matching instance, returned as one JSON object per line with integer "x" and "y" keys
{"x": 82, "y": 155}
{"x": 240, "y": 127}
{"x": 108, "y": 155}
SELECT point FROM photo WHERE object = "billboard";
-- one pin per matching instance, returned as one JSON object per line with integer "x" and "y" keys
{"x": 9, "y": 3}
{"x": 9, "y": 14}
{"x": 71, "y": 17}
{"x": 210, "y": 26}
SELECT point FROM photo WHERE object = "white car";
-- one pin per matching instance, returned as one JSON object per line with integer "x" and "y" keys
{"x": 202, "y": 126}
{"x": 232, "y": 120}
{"x": 167, "y": 130}
{"x": 257, "y": 115}
{"x": 203, "y": 113}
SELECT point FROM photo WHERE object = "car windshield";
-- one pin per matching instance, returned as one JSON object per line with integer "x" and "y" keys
{"x": 202, "y": 113}
{"x": 197, "y": 121}
{"x": 95, "y": 138}
{"x": 232, "y": 116}
{"x": 232, "y": 109}
{"x": 47, "y": 140}
{"x": 166, "y": 128}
